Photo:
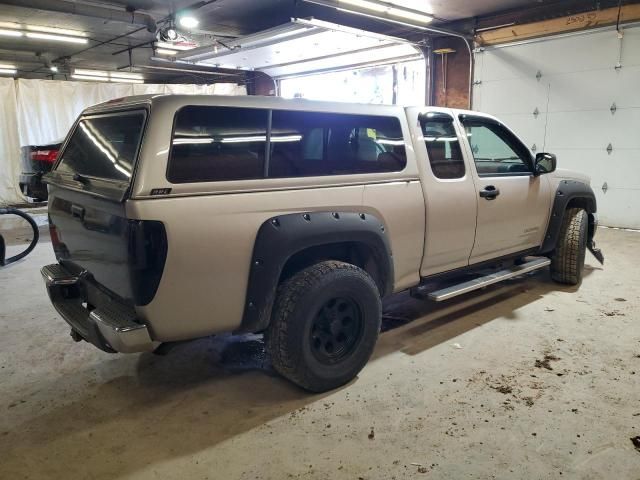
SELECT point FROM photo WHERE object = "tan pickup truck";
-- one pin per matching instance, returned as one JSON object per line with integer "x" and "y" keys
{"x": 177, "y": 217}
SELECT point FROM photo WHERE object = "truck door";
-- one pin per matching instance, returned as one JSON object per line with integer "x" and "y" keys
{"x": 513, "y": 204}
{"x": 449, "y": 191}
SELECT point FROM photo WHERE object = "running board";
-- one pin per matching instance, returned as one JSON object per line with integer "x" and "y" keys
{"x": 477, "y": 283}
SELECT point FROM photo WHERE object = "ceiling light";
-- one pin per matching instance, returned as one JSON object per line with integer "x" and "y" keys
{"x": 88, "y": 77}
{"x": 53, "y": 68}
{"x": 378, "y": 9}
{"x": 165, "y": 51}
{"x": 134, "y": 76}
{"x": 59, "y": 31}
{"x": 58, "y": 38}
{"x": 125, "y": 80}
{"x": 410, "y": 15}
{"x": 174, "y": 46}
{"x": 93, "y": 73}
{"x": 188, "y": 21}
{"x": 10, "y": 33}
{"x": 7, "y": 66}
{"x": 366, "y": 4}
{"x": 8, "y": 71}
{"x": 168, "y": 34}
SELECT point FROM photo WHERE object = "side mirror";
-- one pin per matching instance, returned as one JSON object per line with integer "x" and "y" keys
{"x": 544, "y": 163}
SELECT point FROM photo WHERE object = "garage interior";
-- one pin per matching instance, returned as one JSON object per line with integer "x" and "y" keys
{"x": 522, "y": 379}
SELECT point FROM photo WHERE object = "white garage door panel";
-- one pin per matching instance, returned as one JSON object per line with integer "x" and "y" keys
{"x": 616, "y": 205}
{"x": 616, "y": 208}
{"x": 504, "y": 98}
{"x": 595, "y": 90}
{"x": 580, "y": 82}
{"x": 630, "y": 50}
{"x": 568, "y": 54}
{"x": 505, "y": 64}
{"x": 615, "y": 169}
{"x": 594, "y": 129}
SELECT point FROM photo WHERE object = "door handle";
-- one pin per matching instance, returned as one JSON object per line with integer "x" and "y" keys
{"x": 489, "y": 192}
{"x": 77, "y": 212}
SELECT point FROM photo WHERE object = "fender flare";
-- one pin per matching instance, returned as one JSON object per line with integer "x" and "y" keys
{"x": 281, "y": 237}
{"x": 567, "y": 191}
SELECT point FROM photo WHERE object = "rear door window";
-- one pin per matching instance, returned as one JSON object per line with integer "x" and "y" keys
{"x": 443, "y": 147}
{"x": 104, "y": 146}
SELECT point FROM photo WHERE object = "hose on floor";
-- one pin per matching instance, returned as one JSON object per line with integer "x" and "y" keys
{"x": 36, "y": 236}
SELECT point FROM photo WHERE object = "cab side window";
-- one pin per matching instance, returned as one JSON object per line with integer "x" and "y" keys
{"x": 496, "y": 152}
{"x": 443, "y": 147}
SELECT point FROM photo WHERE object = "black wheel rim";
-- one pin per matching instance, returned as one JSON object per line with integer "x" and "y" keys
{"x": 336, "y": 330}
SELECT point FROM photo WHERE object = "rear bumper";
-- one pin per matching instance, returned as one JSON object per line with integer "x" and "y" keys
{"x": 31, "y": 185}
{"x": 95, "y": 314}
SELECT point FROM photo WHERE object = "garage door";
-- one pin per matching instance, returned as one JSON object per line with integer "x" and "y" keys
{"x": 577, "y": 96}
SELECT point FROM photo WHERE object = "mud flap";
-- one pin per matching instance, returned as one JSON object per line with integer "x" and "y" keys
{"x": 596, "y": 251}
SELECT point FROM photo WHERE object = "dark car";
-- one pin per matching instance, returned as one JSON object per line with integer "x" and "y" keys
{"x": 36, "y": 161}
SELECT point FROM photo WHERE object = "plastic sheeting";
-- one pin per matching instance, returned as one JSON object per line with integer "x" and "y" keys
{"x": 37, "y": 112}
{"x": 9, "y": 143}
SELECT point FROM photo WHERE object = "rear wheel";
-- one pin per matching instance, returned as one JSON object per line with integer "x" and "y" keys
{"x": 325, "y": 325}
{"x": 567, "y": 262}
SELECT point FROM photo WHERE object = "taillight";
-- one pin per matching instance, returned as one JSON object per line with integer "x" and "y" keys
{"x": 48, "y": 156}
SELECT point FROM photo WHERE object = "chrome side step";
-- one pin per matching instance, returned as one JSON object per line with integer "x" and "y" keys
{"x": 477, "y": 283}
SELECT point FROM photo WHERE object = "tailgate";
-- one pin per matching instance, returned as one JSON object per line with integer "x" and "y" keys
{"x": 87, "y": 192}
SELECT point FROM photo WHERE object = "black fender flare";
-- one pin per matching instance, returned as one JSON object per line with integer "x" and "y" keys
{"x": 567, "y": 191}
{"x": 281, "y": 237}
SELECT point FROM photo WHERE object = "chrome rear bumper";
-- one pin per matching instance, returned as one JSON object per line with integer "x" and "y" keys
{"x": 95, "y": 314}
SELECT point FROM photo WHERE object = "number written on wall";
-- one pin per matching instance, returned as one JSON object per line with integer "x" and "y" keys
{"x": 584, "y": 19}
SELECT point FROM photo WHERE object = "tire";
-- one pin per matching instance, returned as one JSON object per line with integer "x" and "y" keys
{"x": 324, "y": 325}
{"x": 567, "y": 261}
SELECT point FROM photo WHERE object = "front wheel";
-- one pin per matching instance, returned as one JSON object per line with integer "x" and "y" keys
{"x": 325, "y": 324}
{"x": 567, "y": 261}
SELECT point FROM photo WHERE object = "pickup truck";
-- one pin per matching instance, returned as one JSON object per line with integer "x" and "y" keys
{"x": 175, "y": 217}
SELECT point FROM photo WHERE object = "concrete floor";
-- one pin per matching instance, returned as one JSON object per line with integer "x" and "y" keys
{"x": 523, "y": 380}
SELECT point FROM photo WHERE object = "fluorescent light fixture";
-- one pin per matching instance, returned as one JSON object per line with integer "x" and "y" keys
{"x": 366, "y": 4}
{"x": 125, "y": 80}
{"x": 88, "y": 77}
{"x": 127, "y": 75}
{"x": 10, "y": 33}
{"x": 59, "y": 31}
{"x": 379, "y": 9}
{"x": 409, "y": 15}
{"x": 8, "y": 71}
{"x": 103, "y": 76}
{"x": 8, "y": 66}
{"x": 166, "y": 51}
{"x": 94, "y": 73}
{"x": 174, "y": 46}
{"x": 188, "y": 21}
{"x": 57, "y": 38}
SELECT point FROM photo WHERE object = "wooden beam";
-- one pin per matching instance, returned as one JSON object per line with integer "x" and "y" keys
{"x": 570, "y": 23}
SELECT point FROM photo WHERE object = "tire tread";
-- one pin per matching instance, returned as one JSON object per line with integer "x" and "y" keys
{"x": 567, "y": 261}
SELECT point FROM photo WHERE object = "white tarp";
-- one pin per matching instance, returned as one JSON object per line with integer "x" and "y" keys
{"x": 9, "y": 143}
{"x": 36, "y": 112}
